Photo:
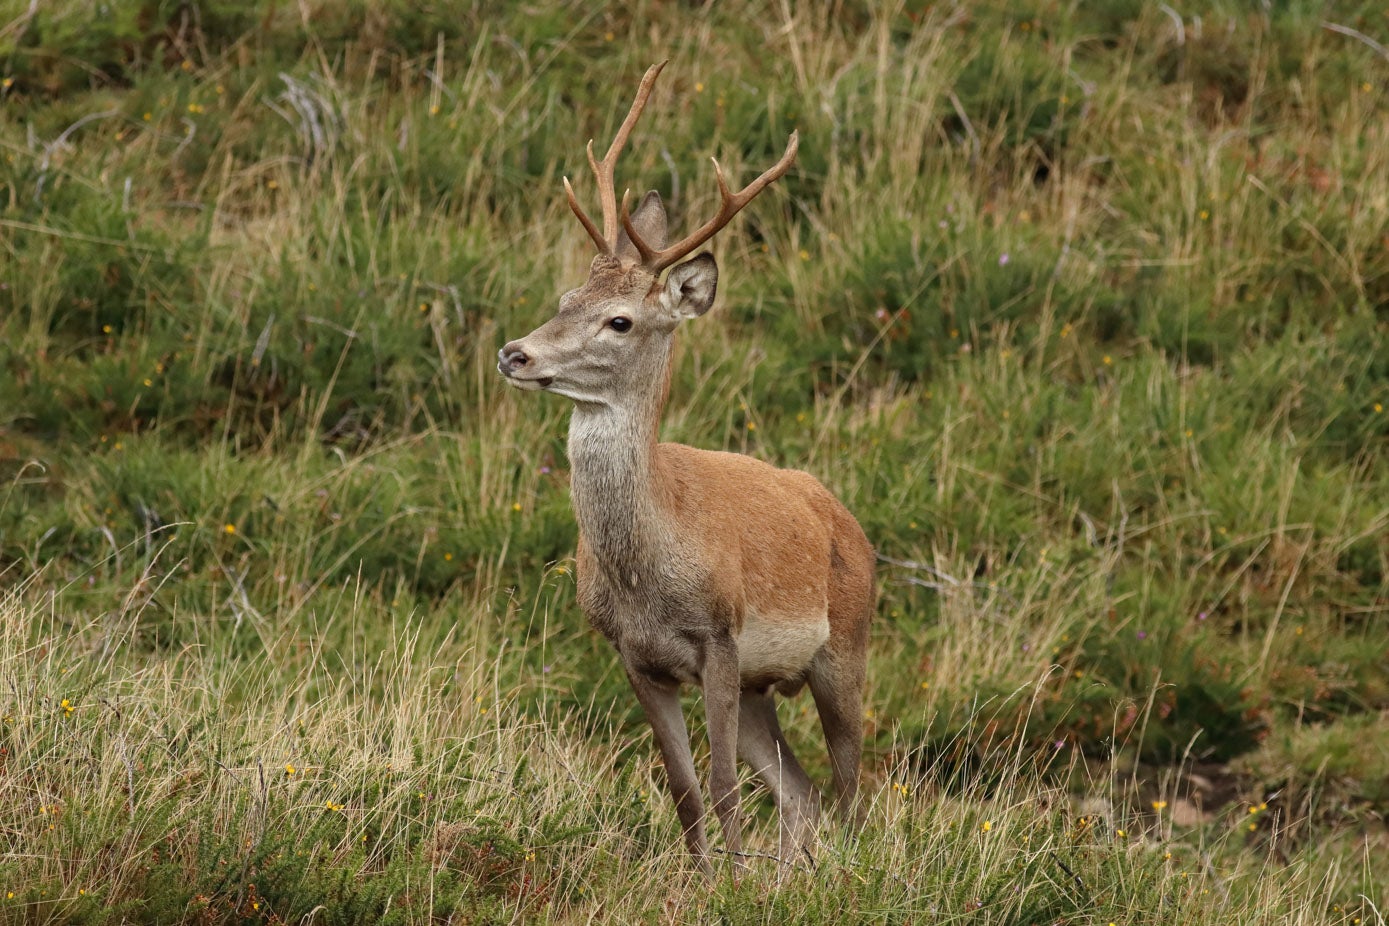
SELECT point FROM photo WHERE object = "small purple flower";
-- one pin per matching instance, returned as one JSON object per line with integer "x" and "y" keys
{"x": 1059, "y": 744}
{"x": 1142, "y": 634}
{"x": 1201, "y": 616}
{"x": 1003, "y": 259}
{"x": 544, "y": 470}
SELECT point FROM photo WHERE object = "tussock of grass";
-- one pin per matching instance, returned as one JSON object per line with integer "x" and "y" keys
{"x": 1081, "y": 311}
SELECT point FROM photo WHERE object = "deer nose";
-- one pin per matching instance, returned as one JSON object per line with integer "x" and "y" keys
{"x": 510, "y": 359}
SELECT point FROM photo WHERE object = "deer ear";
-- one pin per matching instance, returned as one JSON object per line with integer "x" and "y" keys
{"x": 690, "y": 286}
{"x": 650, "y": 222}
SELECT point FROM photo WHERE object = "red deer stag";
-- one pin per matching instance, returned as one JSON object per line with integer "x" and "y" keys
{"x": 710, "y": 568}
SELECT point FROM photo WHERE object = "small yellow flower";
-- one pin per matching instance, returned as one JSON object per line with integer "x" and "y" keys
{"x": 149, "y": 382}
{"x": 804, "y": 254}
{"x": 229, "y": 528}
{"x": 515, "y": 506}
{"x": 699, "y": 87}
{"x": 147, "y": 116}
{"x": 434, "y": 110}
{"x": 1205, "y": 214}
{"x": 752, "y": 425}
{"x": 1378, "y": 408}
{"x": 290, "y": 770}
{"x": 1159, "y": 805}
{"x": 105, "y": 329}
{"x": 925, "y": 685}
{"x": 448, "y": 557}
{"x": 6, "y": 84}
{"x": 67, "y": 707}
{"x": 987, "y": 825}
{"x": 1108, "y": 360}
{"x": 272, "y": 184}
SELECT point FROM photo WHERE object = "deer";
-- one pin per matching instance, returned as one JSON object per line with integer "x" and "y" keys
{"x": 700, "y": 567}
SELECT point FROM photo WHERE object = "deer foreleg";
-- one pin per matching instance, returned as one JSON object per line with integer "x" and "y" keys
{"x": 721, "y": 694}
{"x": 661, "y": 702}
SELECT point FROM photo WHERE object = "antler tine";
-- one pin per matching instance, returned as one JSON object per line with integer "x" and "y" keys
{"x": 730, "y": 205}
{"x": 603, "y": 170}
{"x": 584, "y": 220}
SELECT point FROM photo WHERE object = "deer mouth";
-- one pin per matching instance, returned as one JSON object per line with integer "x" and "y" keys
{"x": 530, "y": 384}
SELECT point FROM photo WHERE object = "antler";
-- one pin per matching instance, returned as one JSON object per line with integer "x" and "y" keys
{"x": 603, "y": 170}
{"x": 730, "y": 205}
{"x": 652, "y": 259}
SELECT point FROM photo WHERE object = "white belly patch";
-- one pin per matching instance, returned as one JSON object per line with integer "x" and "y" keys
{"x": 780, "y": 648}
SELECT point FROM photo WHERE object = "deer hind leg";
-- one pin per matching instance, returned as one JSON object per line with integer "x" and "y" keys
{"x": 762, "y": 746}
{"x": 836, "y": 683}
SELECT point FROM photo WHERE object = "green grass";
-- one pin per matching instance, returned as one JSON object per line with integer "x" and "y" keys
{"x": 1083, "y": 310}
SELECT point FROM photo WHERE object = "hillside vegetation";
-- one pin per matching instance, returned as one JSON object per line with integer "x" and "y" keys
{"x": 1083, "y": 309}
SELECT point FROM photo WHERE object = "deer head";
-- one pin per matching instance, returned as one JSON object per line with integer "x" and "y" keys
{"x": 609, "y": 344}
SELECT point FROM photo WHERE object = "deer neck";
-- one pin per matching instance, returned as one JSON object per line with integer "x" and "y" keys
{"x": 614, "y": 481}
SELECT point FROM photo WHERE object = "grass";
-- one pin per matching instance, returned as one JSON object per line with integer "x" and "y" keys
{"x": 1080, "y": 309}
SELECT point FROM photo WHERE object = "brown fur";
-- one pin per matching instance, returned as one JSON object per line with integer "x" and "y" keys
{"x": 701, "y": 567}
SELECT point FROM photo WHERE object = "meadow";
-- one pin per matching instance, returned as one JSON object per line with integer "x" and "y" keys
{"x": 1082, "y": 309}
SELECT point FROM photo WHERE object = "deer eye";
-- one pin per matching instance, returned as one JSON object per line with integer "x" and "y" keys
{"x": 620, "y": 324}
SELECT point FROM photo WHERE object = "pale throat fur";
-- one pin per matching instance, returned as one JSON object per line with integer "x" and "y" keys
{"x": 624, "y": 529}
